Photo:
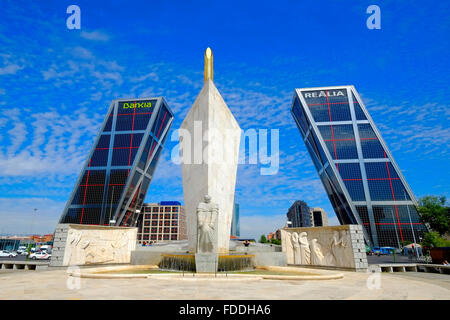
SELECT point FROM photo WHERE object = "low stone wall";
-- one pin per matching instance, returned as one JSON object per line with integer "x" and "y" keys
{"x": 334, "y": 247}
{"x": 85, "y": 244}
{"x": 263, "y": 259}
{"x": 142, "y": 257}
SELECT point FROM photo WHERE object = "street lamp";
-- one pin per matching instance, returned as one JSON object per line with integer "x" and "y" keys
{"x": 110, "y": 208}
{"x": 32, "y": 222}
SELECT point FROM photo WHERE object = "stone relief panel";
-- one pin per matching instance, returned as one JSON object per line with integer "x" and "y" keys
{"x": 99, "y": 245}
{"x": 322, "y": 246}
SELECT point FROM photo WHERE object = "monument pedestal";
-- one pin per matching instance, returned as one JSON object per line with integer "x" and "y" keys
{"x": 206, "y": 262}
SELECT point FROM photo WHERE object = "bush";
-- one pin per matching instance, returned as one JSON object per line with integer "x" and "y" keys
{"x": 276, "y": 241}
{"x": 434, "y": 240}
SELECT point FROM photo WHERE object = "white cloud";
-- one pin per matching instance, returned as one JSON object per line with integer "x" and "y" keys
{"x": 95, "y": 35}
{"x": 81, "y": 52}
{"x": 150, "y": 76}
{"x": 48, "y": 143}
{"x": 10, "y": 69}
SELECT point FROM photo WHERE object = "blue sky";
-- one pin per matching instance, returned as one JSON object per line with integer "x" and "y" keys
{"x": 56, "y": 85}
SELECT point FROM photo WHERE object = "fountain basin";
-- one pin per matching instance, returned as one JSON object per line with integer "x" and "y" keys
{"x": 153, "y": 272}
{"x": 226, "y": 262}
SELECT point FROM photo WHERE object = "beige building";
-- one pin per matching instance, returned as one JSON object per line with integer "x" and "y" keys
{"x": 162, "y": 221}
{"x": 319, "y": 217}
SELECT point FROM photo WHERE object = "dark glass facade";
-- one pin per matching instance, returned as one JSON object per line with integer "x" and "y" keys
{"x": 362, "y": 180}
{"x": 117, "y": 174}
{"x": 235, "y": 224}
{"x": 299, "y": 215}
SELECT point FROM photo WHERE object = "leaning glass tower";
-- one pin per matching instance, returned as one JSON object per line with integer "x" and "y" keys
{"x": 117, "y": 173}
{"x": 362, "y": 180}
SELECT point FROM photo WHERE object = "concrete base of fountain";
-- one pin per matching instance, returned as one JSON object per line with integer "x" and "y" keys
{"x": 206, "y": 262}
{"x": 263, "y": 254}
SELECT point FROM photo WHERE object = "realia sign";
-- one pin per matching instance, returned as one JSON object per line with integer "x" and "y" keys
{"x": 325, "y": 93}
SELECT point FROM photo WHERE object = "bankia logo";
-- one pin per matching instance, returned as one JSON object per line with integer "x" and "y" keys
{"x": 325, "y": 93}
{"x": 135, "y": 104}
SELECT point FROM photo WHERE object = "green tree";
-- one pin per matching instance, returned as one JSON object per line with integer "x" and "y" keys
{"x": 435, "y": 213}
{"x": 263, "y": 239}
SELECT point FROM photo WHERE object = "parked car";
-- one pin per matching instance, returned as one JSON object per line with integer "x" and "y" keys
{"x": 6, "y": 253}
{"x": 22, "y": 251}
{"x": 39, "y": 255}
{"x": 390, "y": 250}
{"x": 381, "y": 250}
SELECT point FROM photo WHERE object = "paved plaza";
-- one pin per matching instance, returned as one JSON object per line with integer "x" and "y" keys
{"x": 53, "y": 284}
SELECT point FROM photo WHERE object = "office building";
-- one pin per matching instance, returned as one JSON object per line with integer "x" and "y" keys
{"x": 319, "y": 217}
{"x": 162, "y": 221}
{"x": 119, "y": 168}
{"x": 299, "y": 215}
{"x": 360, "y": 176}
{"x": 235, "y": 225}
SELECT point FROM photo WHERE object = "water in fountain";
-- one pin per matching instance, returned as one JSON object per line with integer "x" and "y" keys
{"x": 226, "y": 263}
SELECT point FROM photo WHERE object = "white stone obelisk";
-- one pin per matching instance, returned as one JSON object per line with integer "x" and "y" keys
{"x": 209, "y": 149}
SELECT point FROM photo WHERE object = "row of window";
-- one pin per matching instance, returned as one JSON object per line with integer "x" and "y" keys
{"x": 159, "y": 209}
{"x": 326, "y": 110}
{"x": 382, "y": 179}
{"x": 340, "y": 141}
{"x": 156, "y": 216}
{"x": 155, "y": 230}
{"x": 393, "y": 224}
{"x": 161, "y": 223}
{"x": 155, "y": 237}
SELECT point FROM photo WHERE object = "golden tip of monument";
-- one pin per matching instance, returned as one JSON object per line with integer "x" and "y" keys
{"x": 208, "y": 73}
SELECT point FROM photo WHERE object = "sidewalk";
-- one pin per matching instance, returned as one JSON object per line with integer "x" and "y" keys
{"x": 55, "y": 284}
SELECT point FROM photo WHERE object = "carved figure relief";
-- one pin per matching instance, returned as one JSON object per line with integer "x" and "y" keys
{"x": 327, "y": 247}
{"x": 338, "y": 247}
{"x": 317, "y": 257}
{"x": 288, "y": 248}
{"x": 305, "y": 250}
{"x": 296, "y": 248}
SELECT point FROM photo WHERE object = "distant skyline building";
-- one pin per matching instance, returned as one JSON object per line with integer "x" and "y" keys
{"x": 319, "y": 217}
{"x": 362, "y": 180}
{"x": 235, "y": 224}
{"x": 299, "y": 215}
{"x": 117, "y": 173}
{"x": 162, "y": 221}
